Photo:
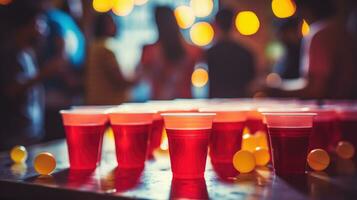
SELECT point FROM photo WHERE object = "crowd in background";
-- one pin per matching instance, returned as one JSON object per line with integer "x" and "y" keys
{"x": 40, "y": 74}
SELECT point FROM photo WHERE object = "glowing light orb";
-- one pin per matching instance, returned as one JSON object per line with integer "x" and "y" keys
{"x": 247, "y": 23}
{"x": 102, "y": 5}
{"x": 140, "y": 2}
{"x": 273, "y": 80}
{"x": 283, "y": 8}
{"x": 123, "y": 7}
{"x": 184, "y": 16}
{"x": 18, "y": 154}
{"x": 44, "y": 163}
{"x": 318, "y": 159}
{"x": 244, "y": 161}
{"x": 199, "y": 77}
{"x": 5, "y": 2}
{"x": 201, "y": 33}
{"x": 201, "y": 8}
{"x": 305, "y": 28}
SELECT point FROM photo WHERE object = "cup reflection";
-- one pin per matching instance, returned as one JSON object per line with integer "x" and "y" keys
{"x": 127, "y": 178}
{"x": 188, "y": 189}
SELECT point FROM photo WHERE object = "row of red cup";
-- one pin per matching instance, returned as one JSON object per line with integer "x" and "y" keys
{"x": 219, "y": 125}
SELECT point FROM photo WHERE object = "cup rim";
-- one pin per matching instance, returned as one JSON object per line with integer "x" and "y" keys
{"x": 83, "y": 111}
{"x": 288, "y": 114}
{"x": 188, "y": 114}
{"x": 130, "y": 111}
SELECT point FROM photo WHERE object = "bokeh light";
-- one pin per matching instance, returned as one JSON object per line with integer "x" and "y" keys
{"x": 123, "y": 7}
{"x": 184, "y": 16}
{"x": 199, "y": 77}
{"x": 274, "y": 51}
{"x": 201, "y": 33}
{"x": 273, "y": 80}
{"x": 140, "y": 2}
{"x": 201, "y": 8}
{"x": 305, "y": 28}
{"x": 283, "y": 8}
{"x": 247, "y": 23}
{"x": 102, "y": 5}
{"x": 5, "y": 2}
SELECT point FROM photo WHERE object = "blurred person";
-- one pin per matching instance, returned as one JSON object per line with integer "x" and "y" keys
{"x": 167, "y": 65}
{"x": 64, "y": 39}
{"x": 231, "y": 66}
{"x": 289, "y": 34}
{"x": 21, "y": 89}
{"x": 104, "y": 82}
{"x": 328, "y": 55}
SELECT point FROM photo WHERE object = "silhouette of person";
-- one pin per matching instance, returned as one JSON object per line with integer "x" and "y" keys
{"x": 104, "y": 82}
{"x": 328, "y": 62}
{"x": 231, "y": 66}
{"x": 288, "y": 32}
{"x": 167, "y": 65}
{"x": 21, "y": 91}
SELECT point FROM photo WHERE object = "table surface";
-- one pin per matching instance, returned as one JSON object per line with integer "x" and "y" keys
{"x": 20, "y": 181}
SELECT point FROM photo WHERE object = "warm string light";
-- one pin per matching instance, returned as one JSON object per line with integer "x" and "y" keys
{"x": 305, "y": 28}
{"x": 199, "y": 77}
{"x": 201, "y": 8}
{"x": 140, "y": 2}
{"x": 184, "y": 16}
{"x": 283, "y": 8}
{"x": 123, "y": 7}
{"x": 102, "y": 5}
{"x": 247, "y": 23}
{"x": 201, "y": 33}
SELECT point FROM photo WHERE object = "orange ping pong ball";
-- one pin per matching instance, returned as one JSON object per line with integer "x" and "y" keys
{"x": 244, "y": 161}
{"x": 318, "y": 159}
{"x": 261, "y": 156}
{"x": 18, "y": 154}
{"x": 345, "y": 150}
{"x": 44, "y": 163}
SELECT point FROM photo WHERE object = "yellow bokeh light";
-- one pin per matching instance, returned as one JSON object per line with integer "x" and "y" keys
{"x": 283, "y": 8}
{"x": 102, "y": 5}
{"x": 305, "y": 28}
{"x": 123, "y": 7}
{"x": 140, "y": 2}
{"x": 184, "y": 16}
{"x": 201, "y": 8}
{"x": 199, "y": 77}
{"x": 201, "y": 33}
{"x": 247, "y": 23}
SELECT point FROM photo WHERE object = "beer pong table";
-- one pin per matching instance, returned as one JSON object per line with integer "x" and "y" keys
{"x": 339, "y": 181}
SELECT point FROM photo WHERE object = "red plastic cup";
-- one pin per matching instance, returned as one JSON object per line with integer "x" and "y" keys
{"x": 289, "y": 136}
{"x": 276, "y": 109}
{"x": 155, "y": 134}
{"x": 347, "y": 119}
{"x": 131, "y": 132}
{"x": 158, "y": 122}
{"x": 188, "y": 137}
{"x": 84, "y": 135}
{"x": 227, "y": 131}
{"x": 324, "y": 129}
